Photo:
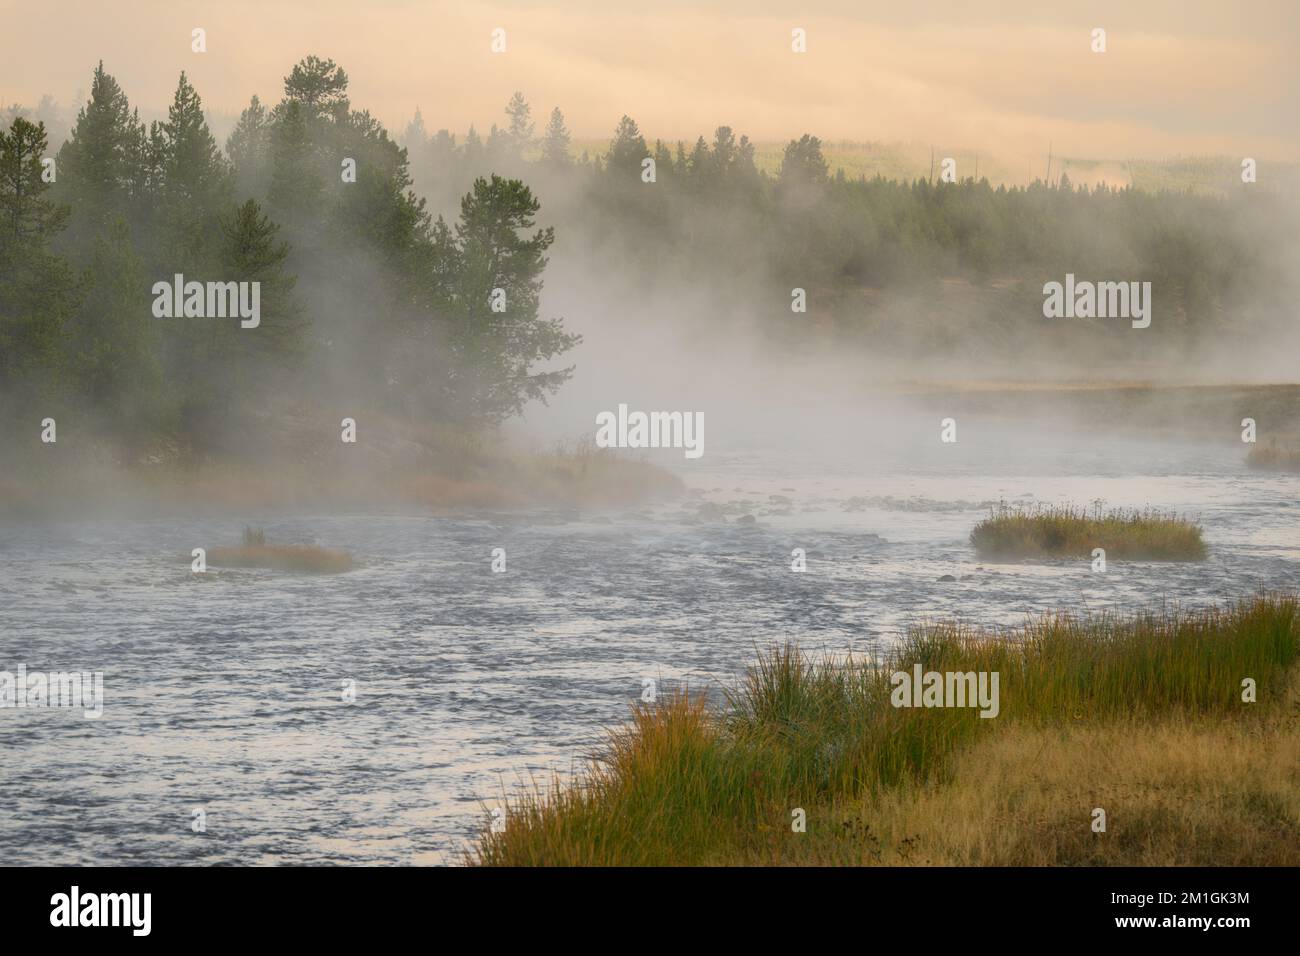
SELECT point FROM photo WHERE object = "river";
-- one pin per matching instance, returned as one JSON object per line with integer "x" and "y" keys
{"x": 224, "y": 691}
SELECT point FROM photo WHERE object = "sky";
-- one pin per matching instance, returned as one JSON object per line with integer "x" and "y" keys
{"x": 1177, "y": 78}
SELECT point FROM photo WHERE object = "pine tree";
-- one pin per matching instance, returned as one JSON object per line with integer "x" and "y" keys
{"x": 97, "y": 163}
{"x": 196, "y": 183}
{"x": 497, "y": 148}
{"x": 249, "y": 149}
{"x": 663, "y": 160}
{"x": 520, "y": 132}
{"x": 724, "y": 150}
{"x": 143, "y": 156}
{"x": 296, "y": 181}
{"x": 30, "y": 217}
{"x": 217, "y": 362}
{"x": 319, "y": 85}
{"x": 700, "y": 161}
{"x": 113, "y": 340}
{"x": 415, "y": 136}
{"x": 251, "y": 251}
{"x": 628, "y": 149}
{"x": 555, "y": 144}
{"x": 744, "y": 167}
{"x": 415, "y": 140}
{"x": 803, "y": 163}
{"x": 495, "y": 352}
{"x": 381, "y": 207}
{"x": 37, "y": 288}
{"x": 474, "y": 152}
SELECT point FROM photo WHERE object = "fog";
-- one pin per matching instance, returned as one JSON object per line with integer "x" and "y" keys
{"x": 918, "y": 254}
{"x": 594, "y": 365}
{"x": 658, "y": 341}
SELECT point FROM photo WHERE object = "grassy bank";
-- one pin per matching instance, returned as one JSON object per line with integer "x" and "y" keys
{"x": 1273, "y": 457}
{"x": 1141, "y": 715}
{"x": 1037, "y": 531}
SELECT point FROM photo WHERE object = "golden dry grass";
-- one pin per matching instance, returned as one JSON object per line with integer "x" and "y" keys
{"x": 1175, "y": 794}
{"x": 1141, "y": 715}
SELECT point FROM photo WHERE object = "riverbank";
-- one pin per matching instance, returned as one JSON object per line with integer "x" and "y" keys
{"x": 446, "y": 479}
{"x": 1212, "y": 414}
{"x": 1153, "y": 738}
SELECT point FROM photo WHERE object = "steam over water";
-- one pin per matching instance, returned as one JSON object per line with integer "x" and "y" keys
{"x": 223, "y": 691}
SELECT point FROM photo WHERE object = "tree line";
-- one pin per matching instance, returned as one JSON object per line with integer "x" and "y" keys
{"x": 361, "y": 287}
{"x": 859, "y": 245}
{"x": 407, "y": 274}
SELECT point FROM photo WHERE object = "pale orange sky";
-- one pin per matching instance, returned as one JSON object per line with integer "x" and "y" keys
{"x": 1179, "y": 78}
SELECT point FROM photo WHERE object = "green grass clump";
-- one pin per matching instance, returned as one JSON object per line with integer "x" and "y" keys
{"x": 687, "y": 784}
{"x": 1045, "y": 531}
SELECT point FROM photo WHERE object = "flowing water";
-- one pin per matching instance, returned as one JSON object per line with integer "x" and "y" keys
{"x": 224, "y": 691}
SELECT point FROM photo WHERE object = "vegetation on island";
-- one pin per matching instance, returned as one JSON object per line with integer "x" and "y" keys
{"x": 254, "y": 552}
{"x": 1018, "y": 532}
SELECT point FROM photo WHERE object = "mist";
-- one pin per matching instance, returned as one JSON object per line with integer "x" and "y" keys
{"x": 394, "y": 399}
